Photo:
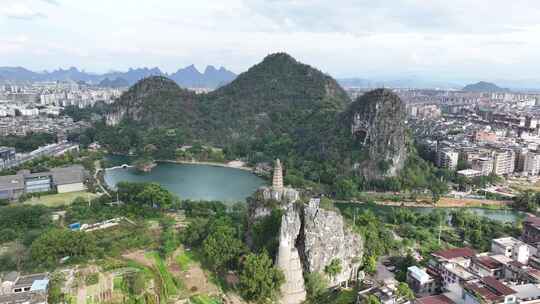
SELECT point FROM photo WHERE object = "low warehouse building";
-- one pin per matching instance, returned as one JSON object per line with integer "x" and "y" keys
{"x": 69, "y": 179}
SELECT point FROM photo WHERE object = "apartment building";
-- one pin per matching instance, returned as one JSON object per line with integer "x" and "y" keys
{"x": 532, "y": 164}
{"x": 447, "y": 158}
{"x": 503, "y": 162}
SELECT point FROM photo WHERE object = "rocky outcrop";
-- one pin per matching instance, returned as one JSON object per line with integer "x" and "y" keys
{"x": 288, "y": 260}
{"x": 326, "y": 237}
{"x": 377, "y": 124}
{"x": 310, "y": 239}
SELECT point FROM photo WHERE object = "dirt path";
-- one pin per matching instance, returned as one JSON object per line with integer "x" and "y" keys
{"x": 139, "y": 256}
{"x": 197, "y": 281}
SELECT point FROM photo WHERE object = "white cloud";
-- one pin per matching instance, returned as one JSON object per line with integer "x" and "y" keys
{"x": 20, "y": 11}
{"x": 435, "y": 38}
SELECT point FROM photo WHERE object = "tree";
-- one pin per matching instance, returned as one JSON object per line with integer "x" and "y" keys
{"x": 55, "y": 294}
{"x": 265, "y": 233}
{"x": 196, "y": 232}
{"x": 370, "y": 264}
{"x": 437, "y": 189}
{"x": 155, "y": 195}
{"x": 334, "y": 268}
{"x": 527, "y": 201}
{"x": 345, "y": 188}
{"x": 221, "y": 247}
{"x": 259, "y": 280}
{"x": 404, "y": 291}
{"x": 169, "y": 242}
{"x": 135, "y": 283}
{"x": 7, "y": 235}
{"x": 58, "y": 243}
{"x": 316, "y": 284}
{"x": 371, "y": 299}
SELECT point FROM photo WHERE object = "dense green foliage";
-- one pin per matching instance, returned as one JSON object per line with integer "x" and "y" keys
{"x": 399, "y": 231}
{"x": 404, "y": 291}
{"x": 222, "y": 247}
{"x": 265, "y": 233}
{"x": 148, "y": 194}
{"x": 527, "y": 201}
{"x": 316, "y": 285}
{"x": 279, "y": 108}
{"x": 260, "y": 280}
{"x": 55, "y": 244}
{"x": 23, "y": 222}
{"x": 478, "y": 232}
{"x": 29, "y": 142}
{"x": 217, "y": 233}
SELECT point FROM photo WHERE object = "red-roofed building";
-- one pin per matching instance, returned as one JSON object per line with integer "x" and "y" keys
{"x": 488, "y": 290}
{"x": 453, "y": 266}
{"x": 454, "y": 253}
{"x": 533, "y": 276}
{"x": 487, "y": 266}
{"x": 438, "y": 299}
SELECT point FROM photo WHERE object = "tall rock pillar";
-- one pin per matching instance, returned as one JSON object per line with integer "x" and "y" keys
{"x": 293, "y": 290}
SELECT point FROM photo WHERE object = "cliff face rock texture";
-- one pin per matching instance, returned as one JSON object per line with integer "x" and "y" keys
{"x": 310, "y": 238}
{"x": 326, "y": 238}
{"x": 288, "y": 260}
{"x": 377, "y": 123}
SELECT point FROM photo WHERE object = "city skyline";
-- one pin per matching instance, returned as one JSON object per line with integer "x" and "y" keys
{"x": 436, "y": 40}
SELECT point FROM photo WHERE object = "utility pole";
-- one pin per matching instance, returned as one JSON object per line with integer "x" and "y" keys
{"x": 440, "y": 230}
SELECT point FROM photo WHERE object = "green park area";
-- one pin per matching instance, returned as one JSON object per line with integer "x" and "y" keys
{"x": 60, "y": 199}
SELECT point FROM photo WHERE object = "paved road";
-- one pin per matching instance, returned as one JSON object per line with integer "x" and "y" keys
{"x": 46, "y": 151}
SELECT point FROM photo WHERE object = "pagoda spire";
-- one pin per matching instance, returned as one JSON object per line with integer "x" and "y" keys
{"x": 277, "y": 181}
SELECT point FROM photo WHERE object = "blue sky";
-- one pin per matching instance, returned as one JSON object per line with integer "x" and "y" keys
{"x": 458, "y": 39}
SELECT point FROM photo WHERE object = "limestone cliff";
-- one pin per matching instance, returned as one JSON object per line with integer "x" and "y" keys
{"x": 309, "y": 239}
{"x": 326, "y": 237}
{"x": 288, "y": 260}
{"x": 378, "y": 131}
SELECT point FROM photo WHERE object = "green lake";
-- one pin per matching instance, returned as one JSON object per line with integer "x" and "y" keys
{"x": 194, "y": 182}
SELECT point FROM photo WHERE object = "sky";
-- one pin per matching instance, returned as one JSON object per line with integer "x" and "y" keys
{"x": 458, "y": 39}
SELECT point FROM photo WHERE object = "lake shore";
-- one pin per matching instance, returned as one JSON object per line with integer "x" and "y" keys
{"x": 241, "y": 166}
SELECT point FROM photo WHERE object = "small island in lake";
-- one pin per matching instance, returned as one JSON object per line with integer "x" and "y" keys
{"x": 144, "y": 164}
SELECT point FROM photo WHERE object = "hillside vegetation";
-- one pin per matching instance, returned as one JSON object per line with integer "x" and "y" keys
{"x": 279, "y": 108}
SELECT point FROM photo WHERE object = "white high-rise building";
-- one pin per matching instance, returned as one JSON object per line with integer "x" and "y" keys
{"x": 532, "y": 164}
{"x": 503, "y": 162}
{"x": 447, "y": 158}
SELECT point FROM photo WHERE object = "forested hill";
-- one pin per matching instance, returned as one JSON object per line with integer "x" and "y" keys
{"x": 279, "y": 108}
{"x": 483, "y": 86}
{"x": 278, "y": 97}
{"x": 155, "y": 102}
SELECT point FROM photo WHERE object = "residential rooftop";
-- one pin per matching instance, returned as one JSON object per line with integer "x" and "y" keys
{"x": 438, "y": 299}
{"x": 455, "y": 253}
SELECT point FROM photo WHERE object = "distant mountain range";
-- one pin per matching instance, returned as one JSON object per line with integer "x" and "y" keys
{"x": 426, "y": 83}
{"x": 187, "y": 77}
{"x": 407, "y": 82}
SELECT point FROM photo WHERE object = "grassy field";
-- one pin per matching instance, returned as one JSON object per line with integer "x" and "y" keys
{"x": 56, "y": 200}
{"x": 166, "y": 277}
{"x": 203, "y": 299}
{"x": 521, "y": 185}
{"x": 184, "y": 260}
